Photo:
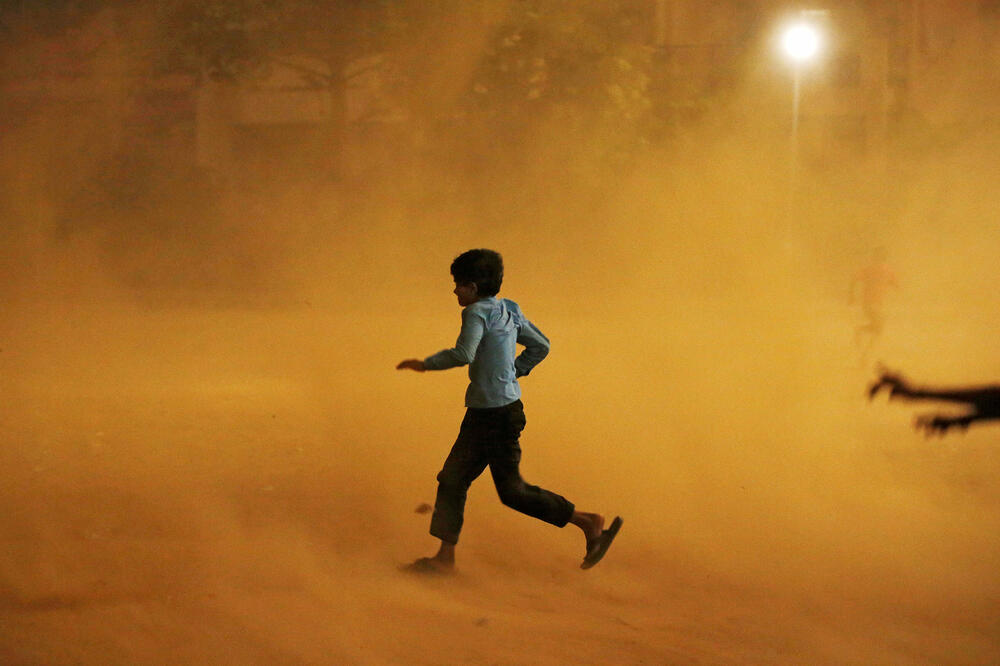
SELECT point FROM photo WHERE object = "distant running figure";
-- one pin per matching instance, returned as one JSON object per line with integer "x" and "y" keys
{"x": 873, "y": 281}
{"x": 494, "y": 418}
{"x": 983, "y": 402}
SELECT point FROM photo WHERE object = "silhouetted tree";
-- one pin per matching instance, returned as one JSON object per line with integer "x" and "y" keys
{"x": 43, "y": 17}
{"x": 579, "y": 65}
{"x": 240, "y": 39}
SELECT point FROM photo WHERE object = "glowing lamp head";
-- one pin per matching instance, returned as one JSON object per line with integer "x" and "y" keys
{"x": 801, "y": 42}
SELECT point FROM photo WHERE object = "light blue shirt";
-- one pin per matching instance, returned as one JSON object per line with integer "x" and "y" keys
{"x": 491, "y": 330}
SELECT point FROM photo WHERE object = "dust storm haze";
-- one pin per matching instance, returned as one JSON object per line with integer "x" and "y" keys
{"x": 209, "y": 456}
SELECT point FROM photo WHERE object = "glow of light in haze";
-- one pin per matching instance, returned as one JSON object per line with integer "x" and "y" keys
{"x": 800, "y": 42}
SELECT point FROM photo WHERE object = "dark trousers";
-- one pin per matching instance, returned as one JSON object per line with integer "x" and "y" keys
{"x": 490, "y": 437}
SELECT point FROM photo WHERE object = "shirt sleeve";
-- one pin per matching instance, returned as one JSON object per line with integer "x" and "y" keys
{"x": 465, "y": 347}
{"x": 536, "y": 347}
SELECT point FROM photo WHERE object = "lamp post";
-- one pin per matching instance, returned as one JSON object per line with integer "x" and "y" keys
{"x": 801, "y": 42}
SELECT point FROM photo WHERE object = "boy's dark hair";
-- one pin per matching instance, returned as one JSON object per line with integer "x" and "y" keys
{"x": 484, "y": 267}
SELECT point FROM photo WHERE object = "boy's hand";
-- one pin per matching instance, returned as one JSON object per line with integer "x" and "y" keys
{"x": 411, "y": 364}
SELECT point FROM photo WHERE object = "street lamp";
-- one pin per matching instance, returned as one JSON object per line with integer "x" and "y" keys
{"x": 801, "y": 41}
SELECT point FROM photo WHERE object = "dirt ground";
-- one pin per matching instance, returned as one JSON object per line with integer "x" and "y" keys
{"x": 196, "y": 485}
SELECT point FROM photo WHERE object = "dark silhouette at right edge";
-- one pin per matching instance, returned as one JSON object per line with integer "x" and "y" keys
{"x": 982, "y": 402}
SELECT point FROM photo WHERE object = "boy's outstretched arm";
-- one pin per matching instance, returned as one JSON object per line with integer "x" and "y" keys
{"x": 462, "y": 353}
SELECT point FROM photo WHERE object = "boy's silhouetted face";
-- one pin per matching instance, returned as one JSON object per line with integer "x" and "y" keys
{"x": 467, "y": 293}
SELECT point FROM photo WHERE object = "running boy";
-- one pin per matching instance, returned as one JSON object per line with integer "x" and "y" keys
{"x": 494, "y": 415}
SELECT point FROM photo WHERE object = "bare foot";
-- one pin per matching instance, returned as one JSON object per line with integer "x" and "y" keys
{"x": 592, "y": 525}
{"x": 599, "y": 547}
{"x": 429, "y": 565}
